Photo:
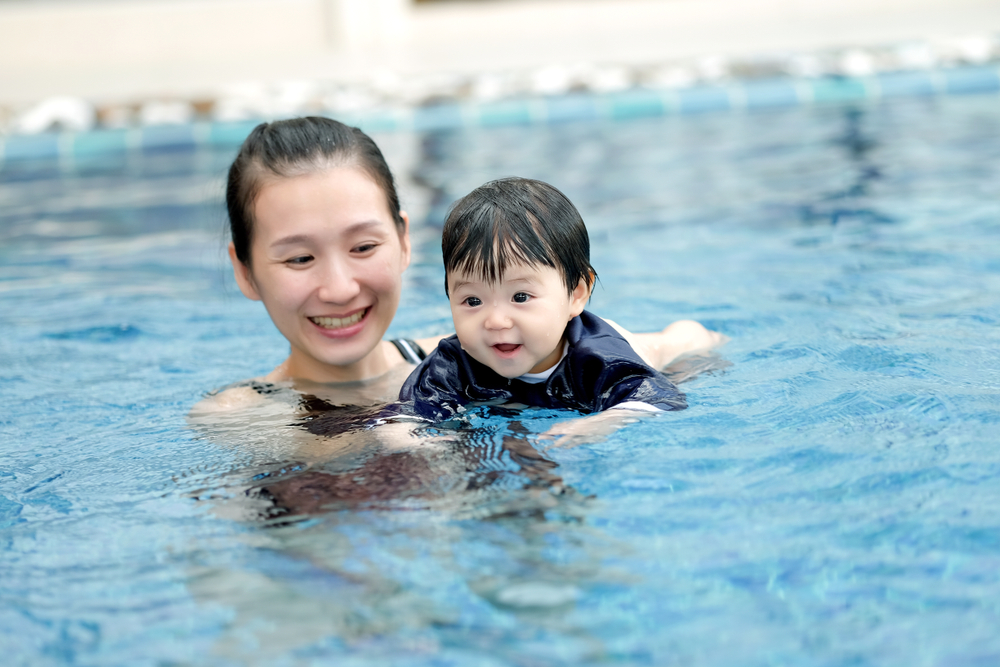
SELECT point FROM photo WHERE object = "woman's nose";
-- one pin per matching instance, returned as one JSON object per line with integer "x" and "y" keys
{"x": 338, "y": 284}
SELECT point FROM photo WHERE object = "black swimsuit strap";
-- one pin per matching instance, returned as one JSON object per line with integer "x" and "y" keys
{"x": 412, "y": 352}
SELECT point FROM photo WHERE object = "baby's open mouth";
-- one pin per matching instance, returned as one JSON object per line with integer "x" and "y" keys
{"x": 339, "y": 322}
{"x": 507, "y": 347}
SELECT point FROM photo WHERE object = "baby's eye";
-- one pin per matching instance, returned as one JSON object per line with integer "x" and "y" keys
{"x": 521, "y": 297}
{"x": 472, "y": 301}
{"x": 300, "y": 260}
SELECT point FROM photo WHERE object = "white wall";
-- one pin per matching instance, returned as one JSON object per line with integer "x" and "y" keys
{"x": 115, "y": 48}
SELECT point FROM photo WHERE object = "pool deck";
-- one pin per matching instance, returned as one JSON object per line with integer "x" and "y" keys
{"x": 141, "y": 57}
{"x": 185, "y": 71}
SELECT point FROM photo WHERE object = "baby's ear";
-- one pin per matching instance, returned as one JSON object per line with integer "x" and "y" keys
{"x": 579, "y": 297}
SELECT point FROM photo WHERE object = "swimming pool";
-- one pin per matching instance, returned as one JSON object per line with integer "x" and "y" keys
{"x": 830, "y": 498}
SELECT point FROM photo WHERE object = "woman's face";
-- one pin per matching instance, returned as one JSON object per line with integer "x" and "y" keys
{"x": 327, "y": 261}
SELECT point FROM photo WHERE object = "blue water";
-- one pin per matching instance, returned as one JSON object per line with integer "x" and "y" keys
{"x": 832, "y": 497}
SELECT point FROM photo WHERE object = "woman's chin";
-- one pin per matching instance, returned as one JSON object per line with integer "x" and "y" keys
{"x": 358, "y": 355}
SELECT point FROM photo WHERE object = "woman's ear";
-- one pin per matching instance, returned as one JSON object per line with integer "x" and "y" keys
{"x": 243, "y": 276}
{"x": 404, "y": 240}
{"x": 579, "y": 297}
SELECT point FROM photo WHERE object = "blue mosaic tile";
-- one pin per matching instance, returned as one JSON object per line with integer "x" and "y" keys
{"x": 972, "y": 80}
{"x": 100, "y": 142}
{"x": 437, "y": 117}
{"x": 160, "y": 137}
{"x": 905, "y": 84}
{"x": 383, "y": 121}
{"x": 636, "y": 104}
{"x": 508, "y": 112}
{"x": 770, "y": 93}
{"x": 838, "y": 89}
{"x": 230, "y": 134}
{"x": 703, "y": 98}
{"x": 28, "y": 146}
{"x": 571, "y": 107}
{"x": 576, "y": 106}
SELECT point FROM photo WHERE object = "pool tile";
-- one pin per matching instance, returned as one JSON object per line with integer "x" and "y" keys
{"x": 100, "y": 142}
{"x": 159, "y": 137}
{"x": 575, "y": 106}
{"x": 770, "y": 93}
{"x": 571, "y": 107}
{"x": 385, "y": 120}
{"x": 703, "y": 98}
{"x": 28, "y": 146}
{"x": 230, "y": 134}
{"x": 838, "y": 89}
{"x": 972, "y": 80}
{"x": 636, "y": 104}
{"x": 905, "y": 84}
{"x": 508, "y": 112}
{"x": 437, "y": 117}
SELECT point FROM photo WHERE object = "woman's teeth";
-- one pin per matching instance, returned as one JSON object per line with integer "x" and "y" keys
{"x": 339, "y": 322}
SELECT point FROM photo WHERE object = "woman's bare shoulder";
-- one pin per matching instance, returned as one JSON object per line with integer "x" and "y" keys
{"x": 227, "y": 400}
{"x": 237, "y": 396}
{"x": 430, "y": 343}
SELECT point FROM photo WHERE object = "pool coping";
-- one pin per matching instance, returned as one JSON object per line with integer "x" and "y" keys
{"x": 746, "y": 95}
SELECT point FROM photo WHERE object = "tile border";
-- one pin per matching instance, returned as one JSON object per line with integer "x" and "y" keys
{"x": 632, "y": 103}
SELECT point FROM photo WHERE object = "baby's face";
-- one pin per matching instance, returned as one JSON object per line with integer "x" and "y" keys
{"x": 515, "y": 326}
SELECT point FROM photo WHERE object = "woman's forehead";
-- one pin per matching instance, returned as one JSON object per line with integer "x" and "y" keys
{"x": 337, "y": 198}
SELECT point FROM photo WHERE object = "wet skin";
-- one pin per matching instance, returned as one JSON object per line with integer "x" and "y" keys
{"x": 514, "y": 326}
{"x": 327, "y": 262}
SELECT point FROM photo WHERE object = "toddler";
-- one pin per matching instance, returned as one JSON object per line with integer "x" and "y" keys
{"x": 518, "y": 275}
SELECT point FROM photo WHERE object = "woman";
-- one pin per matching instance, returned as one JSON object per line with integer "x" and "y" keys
{"x": 318, "y": 236}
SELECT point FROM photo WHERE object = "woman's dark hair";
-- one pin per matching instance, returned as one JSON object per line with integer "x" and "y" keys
{"x": 296, "y": 147}
{"x": 516, "y": 221}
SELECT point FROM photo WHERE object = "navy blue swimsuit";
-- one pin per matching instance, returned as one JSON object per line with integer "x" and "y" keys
{"x": 599, "y": 371}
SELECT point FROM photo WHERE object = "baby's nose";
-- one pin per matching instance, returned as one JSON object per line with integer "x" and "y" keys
{"x": 497, "y": 318}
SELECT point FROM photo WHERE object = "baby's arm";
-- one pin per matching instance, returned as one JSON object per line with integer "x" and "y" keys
{"x": 679, "y": 339}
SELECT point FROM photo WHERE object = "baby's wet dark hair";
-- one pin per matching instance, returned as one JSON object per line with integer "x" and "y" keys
{"x": 516, "y": 221}
{"x": 298, "y": 147}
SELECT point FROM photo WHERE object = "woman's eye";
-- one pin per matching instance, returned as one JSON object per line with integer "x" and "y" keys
{"x": 298, "y": 261}
{"x": 365, "y": 247}
{"x": 473, "y": 301}
{"x": 521, "y": 297}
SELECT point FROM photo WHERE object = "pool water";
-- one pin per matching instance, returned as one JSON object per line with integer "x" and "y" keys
{"x": 830, "y": 497}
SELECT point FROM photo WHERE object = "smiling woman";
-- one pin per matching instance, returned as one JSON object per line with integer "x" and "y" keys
{"x": 319, "y": 238}
{"x": 327, "y": 263}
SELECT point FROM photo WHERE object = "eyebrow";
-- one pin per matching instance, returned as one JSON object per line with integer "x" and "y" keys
{"x": 462, "y": 283}
{"x": 353, "y": 228}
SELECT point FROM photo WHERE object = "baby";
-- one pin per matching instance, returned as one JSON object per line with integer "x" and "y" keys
{"x": 518, "y": 275}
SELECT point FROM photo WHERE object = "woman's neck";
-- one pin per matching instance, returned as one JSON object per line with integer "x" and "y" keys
{"x": 299, "y": 367}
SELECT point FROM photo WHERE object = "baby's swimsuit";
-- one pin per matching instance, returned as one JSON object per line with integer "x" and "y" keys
{"x": 599, "y": 371}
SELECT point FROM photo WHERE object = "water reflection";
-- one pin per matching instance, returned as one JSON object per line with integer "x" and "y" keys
{"x": 854, "y": 200}
{"x": 466, "y": 469}
{"x": 411, "y": 533}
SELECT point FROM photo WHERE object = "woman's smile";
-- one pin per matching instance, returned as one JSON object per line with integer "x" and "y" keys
{"x": 339, "y": 322}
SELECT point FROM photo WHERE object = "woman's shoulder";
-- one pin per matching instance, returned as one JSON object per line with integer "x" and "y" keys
{"x": 234, "y": 396}
{"x": 413, "y": 351}
{"x": 242, "y": 394}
